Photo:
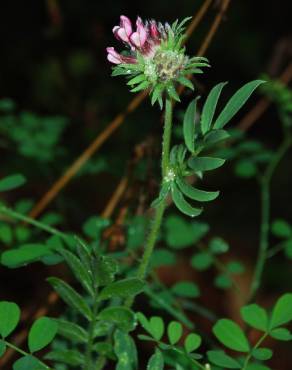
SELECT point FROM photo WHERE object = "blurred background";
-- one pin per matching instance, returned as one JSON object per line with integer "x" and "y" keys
{"x": 57, "y": 96}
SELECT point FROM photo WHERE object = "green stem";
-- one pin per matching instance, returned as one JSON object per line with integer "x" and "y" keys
{"x": 249, "y": 356}
{"x": 264, "y": 237}
{"x": 88, "y": 354}
{"x": 23, "y": 353}
{"x": 166, "y": 137}
{"x": 275, "y": 250}
{"x": 18, "y": 216}
{"x": 100, "y": 363}
{"x": 265, "y": 215}
{"x": 222, "y": 268}
{"x": 159, "y": 211}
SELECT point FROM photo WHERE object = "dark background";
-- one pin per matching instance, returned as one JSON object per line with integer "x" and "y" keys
{"x": 53, "y": 62}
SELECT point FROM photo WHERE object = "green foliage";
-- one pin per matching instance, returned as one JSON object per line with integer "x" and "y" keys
{"x": 199, "y": 135}
{"x": 33, "y": 136}
{"x": 41, "y": 333}
{"x": 97, "y": 323}
{"x": 283, "y": 230}
{"x": 72, "y": 331}
{"x": 220, "y": 358}
{"x": 40, "y": 336}
{"x": 235, "y": 103}
{"x": 9, "y": 318}
{"x": 123, "y": 289}
{"x": 122, "y": 317}
{"x": 233, "y": 337}
{"x": 281, "y": 95}
{"x": 25, "y": 254}
{"x": 28, "y": 363}
{"x": 155, "y": 327}
{"x": 181, "y": 234}
{"x": 186, "y": 289}
{"x": 125, "y": 351}
{"x": 11, "y": 182}
{"x": 96, "y": 275}
{"x": 71, "y": 297}
{"x": 192, "y": 342}
{"x": 174, "y": 332}
{"x": 255, "y": 316}
{"x": 156, "y": 362}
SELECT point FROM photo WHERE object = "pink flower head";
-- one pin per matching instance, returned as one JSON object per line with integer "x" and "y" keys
{"x": 124, "y": 30}
{"x": 155, "y": 34}
{"x": 139, "y": 37}
{"x": 145, "y": 39}
{"x": 116, "y": 58}
{"x": 113, "y": 56}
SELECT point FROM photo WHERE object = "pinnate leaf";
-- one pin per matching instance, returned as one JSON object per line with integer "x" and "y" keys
{"x": 123, "y": 289}
{"x": 71, "y": 297}
{"x": 210, "y": 107}
{"x": 235, "y": 103}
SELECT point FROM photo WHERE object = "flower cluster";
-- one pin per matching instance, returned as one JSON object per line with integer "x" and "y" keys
{"x": 155, "y": 58}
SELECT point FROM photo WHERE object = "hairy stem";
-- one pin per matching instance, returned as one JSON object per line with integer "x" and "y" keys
{"x": 88, "y": 364}
{"x": 159, "y": 211}
{"x": 265, "y": 215}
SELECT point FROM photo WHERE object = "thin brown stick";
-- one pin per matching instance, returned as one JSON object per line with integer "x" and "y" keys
{"x": 115, "y": 198}
{"x": 103, "y": 136}
{"x": 210, "y": 35}
{"x": 197, "y": 18}
{"x": 214, "y": 27}
{"x": 85, "y": 156}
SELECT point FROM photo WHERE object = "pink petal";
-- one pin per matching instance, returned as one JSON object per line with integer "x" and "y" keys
{"x": 142, "y": 31}
{"x": 126, "y": 24}
{"x": 113, "y": 60}
{"x": 129, "y": 60}
{"x": 113, "y": 56}
{"x": 120, "y": 34}
{"x": 135, "y": 39}
{"x": 115, "y": 30}
{"x": 154, "y": 30}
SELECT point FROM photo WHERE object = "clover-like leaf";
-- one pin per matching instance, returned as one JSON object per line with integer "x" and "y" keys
{"x": 42, "y": 332}
{"x": 231, "y": 335}
{"x": 9, "y": 317}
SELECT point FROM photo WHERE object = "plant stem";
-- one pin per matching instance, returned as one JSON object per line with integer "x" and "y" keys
{"x": 249, "y": 356}
{"x": 88, "y": 355}
{"x": 166, "y": 137}
{"x": 265, "y": 182}
{"x": 16, "y": 349}
{"x": 159, "y": 211}
{"x": 18, "y": 216}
